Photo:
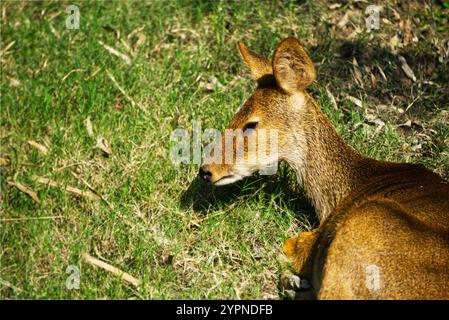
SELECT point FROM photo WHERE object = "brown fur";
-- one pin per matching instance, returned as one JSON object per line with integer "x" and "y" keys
{"x": 393, "y": 217}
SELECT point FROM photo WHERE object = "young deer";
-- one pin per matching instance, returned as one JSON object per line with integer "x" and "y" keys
{"x": 384, "y": 227}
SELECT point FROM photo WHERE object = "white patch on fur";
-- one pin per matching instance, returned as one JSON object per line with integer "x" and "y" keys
{"x": 296, "y": 156}
{"x": 298, "y": 101}
{"x": 228, "y": 180}
{"x": 253, "y": 119}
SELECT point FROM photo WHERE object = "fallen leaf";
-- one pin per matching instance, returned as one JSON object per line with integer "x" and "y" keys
{"x": 334, "y": 6}
{"x": 406, "y": 68}
{"x": 356, "y": 101}
{"x": 89, "y": 128}
{"x": 389, "y": 108}
{"x": 382, "y": 73}
{"x": 411, "y": 123}
{"x": 394, "y": 43}
{"x": 103, "y": 145}
{"x": 406, "y": 29}
{"x": 407, "y": 124}
{"x": 211, "y": 84}
{"x": 396, "y": 15}
{"x": 53, "y": 15}
{"x": 141, "y": 38}
{"x": 373, "y": 80}
{"x": 344, "y": 20}
{"x": 356, "y": 73}
{"x": 13, "y": 82}
{"x": 386, "y": 21}
{"x": 417, "y": 147}
{"x": 4, "y": 161}
{"x": 42, "y": 149}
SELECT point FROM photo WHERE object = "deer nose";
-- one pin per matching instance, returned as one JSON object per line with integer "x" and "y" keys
{"x": 205, "y": 174}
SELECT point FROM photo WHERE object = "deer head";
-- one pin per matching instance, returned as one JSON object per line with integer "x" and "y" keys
{"x": 273, "y": 112}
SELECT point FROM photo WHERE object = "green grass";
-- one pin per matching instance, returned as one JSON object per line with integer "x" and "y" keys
{"x": 157, "y": 221}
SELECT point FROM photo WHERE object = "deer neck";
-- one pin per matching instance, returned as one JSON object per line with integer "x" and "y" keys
{"x": 326, "y": 166}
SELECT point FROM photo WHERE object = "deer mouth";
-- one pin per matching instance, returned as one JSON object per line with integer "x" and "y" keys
{"x": 228, "y": 179}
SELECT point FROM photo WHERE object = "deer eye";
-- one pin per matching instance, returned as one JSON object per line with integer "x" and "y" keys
{"x": 249, "y": 126}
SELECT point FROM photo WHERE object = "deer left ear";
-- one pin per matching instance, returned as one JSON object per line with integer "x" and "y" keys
{"x": 292, "y": 66}
{"x": 259, "y": 66}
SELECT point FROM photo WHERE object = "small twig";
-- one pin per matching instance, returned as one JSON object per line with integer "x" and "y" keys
{"x": 131, "y": 100}
{"x": 87, "y": 184}
{"x": 26, "y": 190}
{"x": 382, "y": 73}
{"x": 93, "y": 74}
{"x": 8, "y": 46}
{"x": 139, "y": 29}
{"x": 412, "y": 103}
{"x": 70, "y": 189}
{"x": 101, "y": 264}
{"x": 72, "y": 71}
{"x": 113, "y": 51}
{"x": 69, "y": 166}
{"x": 53, "y": 30}
{"x": 332, "y": 98}
{"x": 126, "y": 45}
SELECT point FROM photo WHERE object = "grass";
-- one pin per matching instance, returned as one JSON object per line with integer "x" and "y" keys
{"x": 156, "y": 220}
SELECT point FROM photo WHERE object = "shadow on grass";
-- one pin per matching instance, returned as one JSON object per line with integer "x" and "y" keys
{"x": 391, "y": 85}
{"x": 204, "y": 198}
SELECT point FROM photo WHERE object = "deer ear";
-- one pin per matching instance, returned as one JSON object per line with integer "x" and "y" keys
{"x": 259, "y": 66}
{"x": 293, "y": 68}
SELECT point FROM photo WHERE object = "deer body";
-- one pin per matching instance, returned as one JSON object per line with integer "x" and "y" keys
{"x": 397, "y": 221}
{"x": 384, "y": 227}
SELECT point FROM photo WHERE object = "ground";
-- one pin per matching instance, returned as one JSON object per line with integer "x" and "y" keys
{"x": 93, "y": 109}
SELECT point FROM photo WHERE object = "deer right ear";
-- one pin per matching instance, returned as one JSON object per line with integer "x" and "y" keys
{"x": 292, "y": 66}
{"x": 259, "y": 66}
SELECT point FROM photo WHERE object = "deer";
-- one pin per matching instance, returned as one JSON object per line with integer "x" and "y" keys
{"x": 383, "y": 228}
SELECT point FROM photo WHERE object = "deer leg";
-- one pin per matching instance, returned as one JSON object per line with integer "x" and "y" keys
{"x": 298, "y": 249}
